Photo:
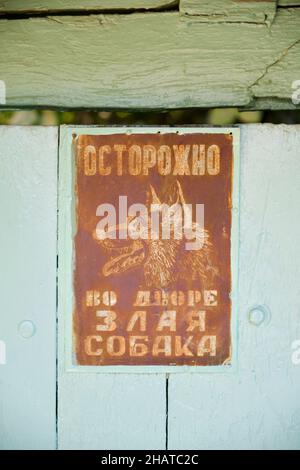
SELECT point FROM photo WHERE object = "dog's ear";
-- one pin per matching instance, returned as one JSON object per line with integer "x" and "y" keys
{"x": 153, "y": 197}
{"x": 174, "y": 194}
{"x": 180, "y": 193}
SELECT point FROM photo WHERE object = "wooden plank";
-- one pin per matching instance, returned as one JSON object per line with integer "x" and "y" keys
{"x": 28, "y": 190}
{"x": 98, "y": 411}
{"x": 258, "y": 406}
{"x": 44, "y": 6}
{"x": 288, "y": 3}
{"x": 176, "y": 62}
{"x": 250, "y": 11}
{"x": 257, "y": 11}
{"x": 106, "y": 411}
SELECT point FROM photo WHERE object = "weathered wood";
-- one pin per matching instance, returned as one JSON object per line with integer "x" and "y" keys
{"x": 105, "y": 411}
{"x": 138, "y": 61}
{"x": 98, "y": 411}
{"x": 44, "y": 6}
{"x": 28, "y": 191}
{"x": 250, "y": 11}
{"x": 257, "y": 407}
{"x": 288, "y": 3}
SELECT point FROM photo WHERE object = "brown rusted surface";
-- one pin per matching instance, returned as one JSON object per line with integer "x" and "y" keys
{"x": 107, "y": 328}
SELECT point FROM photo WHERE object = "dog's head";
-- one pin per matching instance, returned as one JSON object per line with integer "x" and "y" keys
{"x": 151, "y": 240}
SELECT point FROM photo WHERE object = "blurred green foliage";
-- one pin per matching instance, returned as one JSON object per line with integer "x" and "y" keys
{"x": 216, "y": 116}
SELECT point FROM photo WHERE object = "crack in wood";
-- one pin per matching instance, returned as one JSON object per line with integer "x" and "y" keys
{"x": 178, "y": 63}
{"x": 16, "y": 14}
{"x": 167, "y": 411}
{"x": 276, "y": 62}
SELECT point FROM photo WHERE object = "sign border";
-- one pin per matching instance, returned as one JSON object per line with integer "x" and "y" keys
{"x": 65, "y": 243}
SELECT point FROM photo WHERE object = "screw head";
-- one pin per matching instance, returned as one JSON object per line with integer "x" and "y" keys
{"x": 258, "y": 315}
{"x": 26, "y": 329}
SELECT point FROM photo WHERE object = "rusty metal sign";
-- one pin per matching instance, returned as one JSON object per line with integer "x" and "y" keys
{"x": 152, "y": 248}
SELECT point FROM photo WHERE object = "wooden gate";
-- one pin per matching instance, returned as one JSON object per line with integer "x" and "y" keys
{"x": 252, "y": 407}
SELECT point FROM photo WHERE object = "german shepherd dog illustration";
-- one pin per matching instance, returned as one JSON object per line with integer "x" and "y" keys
{"x": 164, "y": 261}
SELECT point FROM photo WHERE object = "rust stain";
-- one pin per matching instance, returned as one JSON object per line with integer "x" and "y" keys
{"x": 142, "y": 299}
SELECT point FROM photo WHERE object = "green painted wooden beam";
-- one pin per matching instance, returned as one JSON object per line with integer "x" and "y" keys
{"x": 250, "y": 11}
{"x": 40, "y": 6}
{"x": 149, "y": 61}
{"x": 288, "y": 3}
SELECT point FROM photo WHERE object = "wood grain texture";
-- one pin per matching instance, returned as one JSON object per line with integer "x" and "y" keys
{"x": 250, "y": 11}
{"x": 137, "y": 62}
{"x": 43, "y": 6}
{"x": 258, "y": 406}
{"x": 288, "y": 3}
{"x": 116, "y": 411}
{"x": 28, "y": 191}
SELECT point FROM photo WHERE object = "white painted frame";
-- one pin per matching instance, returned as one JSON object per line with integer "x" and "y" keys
{"x": 66, "y": 231}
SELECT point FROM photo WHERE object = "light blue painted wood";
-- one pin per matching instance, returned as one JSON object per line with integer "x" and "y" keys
{"x": 125, "y": 409}
{"x": 28, "y": 173}
{"x": 99, "y": 411}
{"x": 258, "y": 407}
{"x": 111, "y": 411}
